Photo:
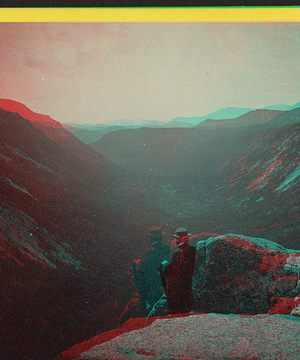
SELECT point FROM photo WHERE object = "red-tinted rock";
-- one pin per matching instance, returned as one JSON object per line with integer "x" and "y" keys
{"x": 283, "y": 306}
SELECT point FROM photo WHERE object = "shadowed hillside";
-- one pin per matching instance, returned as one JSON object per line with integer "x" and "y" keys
{"x": 260, "y": 186}
{"x": 61, "y": 219}
{"x": 56, "y": 132}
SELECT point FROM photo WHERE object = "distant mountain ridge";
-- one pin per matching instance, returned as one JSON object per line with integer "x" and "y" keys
{"x": 226, "y": 113}
{"x": 295, "y": 106}
{"x": 280, "y": 107}
{"x": 89, "y": 133}
{"x": 135, "y": 122}
{"x": 174, "y": 151}
{"x": 260, "y": 116}
{"x": 179, "y": 121}
{"x": 229, "y": 113}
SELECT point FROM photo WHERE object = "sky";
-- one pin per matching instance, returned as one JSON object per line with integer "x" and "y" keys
{"x": 101, "y": 72}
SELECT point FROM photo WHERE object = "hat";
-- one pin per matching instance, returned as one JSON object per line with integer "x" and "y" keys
{"x": 181, "y": 232}
{"x": 155, "y": 231}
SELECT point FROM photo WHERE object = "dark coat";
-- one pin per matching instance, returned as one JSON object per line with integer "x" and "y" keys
{"x": 147, "y": 276}
{"x": 179, "y": 275}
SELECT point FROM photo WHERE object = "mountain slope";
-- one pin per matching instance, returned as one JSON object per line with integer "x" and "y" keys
{"x": 280, "y": 107}
{"x": 259, "y": 187}
{"x": 287, "y": 118}
{"x": 42, "y": 122}
{"x": 56, "y": 132}
{"x": 60, "y": 219}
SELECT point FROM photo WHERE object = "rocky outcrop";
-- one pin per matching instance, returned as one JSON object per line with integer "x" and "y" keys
{"x": 205, "y": 336}
{"x": 243, "y": 275}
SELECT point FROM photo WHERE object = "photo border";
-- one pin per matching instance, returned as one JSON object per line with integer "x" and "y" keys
{"x": 155, "y": 14}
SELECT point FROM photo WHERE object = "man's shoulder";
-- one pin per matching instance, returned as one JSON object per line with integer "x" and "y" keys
{"x": 165, "y": 246}
{"x": 188, "y": 248}
{"x": 161, "y": 246}
{"x": 192, "y": 248}
{"x": 158, "y": 249}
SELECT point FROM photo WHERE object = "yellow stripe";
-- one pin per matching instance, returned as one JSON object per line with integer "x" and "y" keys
{"x": 193, "y": 14}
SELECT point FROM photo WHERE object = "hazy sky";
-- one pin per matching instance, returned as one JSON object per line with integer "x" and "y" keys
{"x": 100, "y": 72}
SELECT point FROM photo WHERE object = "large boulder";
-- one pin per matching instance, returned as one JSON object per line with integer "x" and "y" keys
{"x": 240, "y": 274}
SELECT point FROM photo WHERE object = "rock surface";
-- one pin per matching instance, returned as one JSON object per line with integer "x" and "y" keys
{"x": 206, "y": 336}
{"x": 283, "y": 306}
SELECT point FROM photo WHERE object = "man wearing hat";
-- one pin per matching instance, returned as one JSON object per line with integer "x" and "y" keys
{"x": 179, "y": 234}
{"x": 177, "y": 274}
{"x": 147, "y": 277}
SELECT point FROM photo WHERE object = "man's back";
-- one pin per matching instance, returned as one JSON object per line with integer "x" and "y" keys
{"x": 147, "y": 273}
{"x": 179, "y": 277}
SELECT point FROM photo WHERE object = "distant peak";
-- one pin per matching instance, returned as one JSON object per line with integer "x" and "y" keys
{"x": 297, "y": 105}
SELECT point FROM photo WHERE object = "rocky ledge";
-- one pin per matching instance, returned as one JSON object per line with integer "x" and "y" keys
{"x": 202, "y": 336}
{"x": 247, "y": 306}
